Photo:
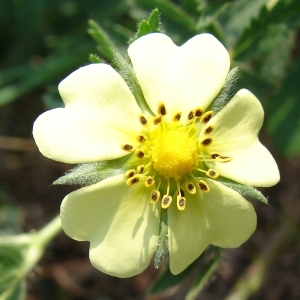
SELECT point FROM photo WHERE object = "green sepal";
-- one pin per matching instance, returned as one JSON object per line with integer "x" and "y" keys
{"x": 91, "y": 173}
{"x": 95, "y": 59}
{"x": 162, "y": 244}
{"x": 126, "y": 71}
{"x": 225, "y": 94}
{"x": 246, "y": 191}
{"x": 104, "y": 44}
{"x": 146, "y": 27}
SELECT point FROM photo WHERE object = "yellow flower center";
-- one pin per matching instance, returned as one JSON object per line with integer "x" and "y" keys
{"x": 174, "y": 154}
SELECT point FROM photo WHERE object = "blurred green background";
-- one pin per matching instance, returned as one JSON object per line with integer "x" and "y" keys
{"x": 42, "y": 41}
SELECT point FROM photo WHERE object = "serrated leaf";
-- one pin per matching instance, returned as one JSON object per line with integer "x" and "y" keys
{"x": 283, "y": 11}
{"x": 246, "y": 191}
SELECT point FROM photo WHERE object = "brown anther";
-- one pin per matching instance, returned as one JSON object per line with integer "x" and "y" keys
{"x": 162, "y": 109}
{"x": 214, "y": 155}
{"x": 208, "y": 129}
{"x": 127, "y": 147}
{"x": 181, "y": 192}
{"x": 133, "y": 180}
{"x": 140, "y": 169}
{"x": 141, "y": 138}
{"x": 155, "y": 195}
{"x": 166, "y": 201}
{"x": 149, "y": 181}
{"x": 206, "y": 117}
{"x": 206, "y": 142}
{"x": 191, "y": 115}
{"x": 212, "y": 174}
{"x": 129, "y": 173}
{"x": 157, "y": 119}
{"x": 190, "y": 187}
{"x": 139, "y": 153}
{"x": 177, "y": 117}
{"x": 203, "y": 186}
{"x": 199, "y": 112}
{"x": 181, "y": 201}
{"x": 143, "y": 120}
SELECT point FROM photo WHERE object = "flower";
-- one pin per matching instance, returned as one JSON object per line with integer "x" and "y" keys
{"x": 177, "y": 152}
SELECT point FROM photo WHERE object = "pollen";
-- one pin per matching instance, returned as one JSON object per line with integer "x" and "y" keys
{"x": 174, "y": 154}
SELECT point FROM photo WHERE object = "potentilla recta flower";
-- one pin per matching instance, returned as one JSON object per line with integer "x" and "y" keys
{"x": 177, "y": 152}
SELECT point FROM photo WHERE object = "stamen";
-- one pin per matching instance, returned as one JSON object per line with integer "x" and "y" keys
{"x": 223, "y": 159}
{"x": 206, "y": 142}
{"x": 166, "y": 201}
{"x": 149, "y": 181}
{"x": 206, "y": 117}
{"x": 162, "y": 109}
{"x": 214, "y": 155}
{"x": 208, "y": 129}
{"x": 177, "y": 117}
{"x": 155, "y": 195}
{"x": 199, "y": 112}
{"x": 212, "y": 174}
{"x": 127, "y": 147}
{"x": 190, "y": 187}
{"x": 141, "y": 138}
{"x": 203, "y": 186}
{"x": 157, "y": 119}
{"x": 133, "y": 180}
{"x": 143, "y": 120}
{"x": 181, "y": 201}
{"x": 140, "y": 169}
{"x": 129, "y": 173}
{"x": 139, "y": 153}
{"x": 191, "y": 115}
{"x": 181, "y": 192}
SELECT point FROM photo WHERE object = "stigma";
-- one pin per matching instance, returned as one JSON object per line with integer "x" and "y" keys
{"x": 171, "y": 156}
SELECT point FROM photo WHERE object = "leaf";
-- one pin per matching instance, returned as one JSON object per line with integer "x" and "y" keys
{"x": 246, "y": 191}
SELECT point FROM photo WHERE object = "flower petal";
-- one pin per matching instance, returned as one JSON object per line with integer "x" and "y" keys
{"x": 184, "y": 78}
{"x": 119, "y": 221}
{"x": 100, "y": 115}
{"x": 221, "y": 217}
{"x": 235, "y": 135}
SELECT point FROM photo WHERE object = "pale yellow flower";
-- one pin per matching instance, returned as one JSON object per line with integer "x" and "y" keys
{"x": 177, "y": 152}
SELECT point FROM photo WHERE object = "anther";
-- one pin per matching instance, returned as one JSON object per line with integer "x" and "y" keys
{"x": 143, "y": 120}
{"x": 149, "y": 181}
{"x": 208, "y": 129}
{"x": 223, "y": 159}
{"x": 206, "y": 117}
{"x": 166, "y": 201}
{"x": 155, "y": 195}
{"x": 177, "y": 117}
{"x": 203, "y": 186}
{"x": 157, "y": 119}
{"x": 140, "y": 169}
{"x": 132, "y": 180}
{"x": 181, "y": 201}
{"x": 161, "y": 109}
{"x": 139, "y": 153}
{"x": 190, "y": 187}
{"x": 129, "y": 173}
{"x": 191, "y": 115}
{"x": 199, "y": 112}
{"x": 212, "y": 174}
{"x": 214, "y": 155}
{"x": 181, "y": 192}
{"x": 127, "y": 147}
{"x": 141, "y": 138}
{"x": 206, "y": 142}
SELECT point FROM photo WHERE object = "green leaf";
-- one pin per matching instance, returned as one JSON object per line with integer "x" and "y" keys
{"x": 283, "y": 11}
{"x": 91, "y": 173}
{"x": 246, "y": 191}
{"x": 126, "y": 71}
{"x": 203, "y": 277}
{"x": 226, "y": 92}
{"x": 95, "y": 59}
{"x": 282, "y": 120}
